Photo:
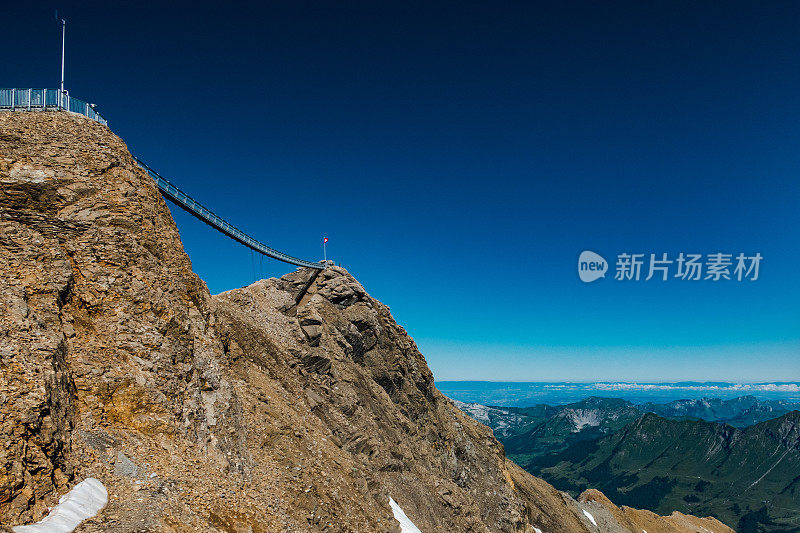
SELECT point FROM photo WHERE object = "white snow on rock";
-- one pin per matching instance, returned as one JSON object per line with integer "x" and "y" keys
{"x": 537, "y": 530}
{"x": 500, "y": 420}
{"x": 406, "y": 525}
{"x": 582, "y": 418}
{"x": 475, "y": 410}
{"x": 84, "y": 501}
{"x": 589, "y": 516}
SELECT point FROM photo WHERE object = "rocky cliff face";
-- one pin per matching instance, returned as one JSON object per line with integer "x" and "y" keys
{"x": 294, "y": 404}
{"x": 108, "y": 350}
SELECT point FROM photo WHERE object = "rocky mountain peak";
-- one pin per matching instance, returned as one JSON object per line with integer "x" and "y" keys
{"x": 293, "y": 404}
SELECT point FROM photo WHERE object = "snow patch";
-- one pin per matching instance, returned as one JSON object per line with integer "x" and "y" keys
{"x": 406, "y": 525}
{"x": 589, "y": 516}
{"x": 84, "y": 501}
{"x": 500, "y": 420}
{"x": 475, "y": 410}
{"x": 582, "y": 418}
{"x": 537, "y": 530}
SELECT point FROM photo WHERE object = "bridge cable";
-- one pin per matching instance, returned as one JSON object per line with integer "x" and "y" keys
{"x": 190, "y": 205}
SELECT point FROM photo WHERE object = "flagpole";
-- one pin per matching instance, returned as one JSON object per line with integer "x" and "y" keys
{"x": 325, "y": 249}
{"x": 63, "y": 41}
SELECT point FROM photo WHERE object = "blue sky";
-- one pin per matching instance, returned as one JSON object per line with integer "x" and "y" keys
{"x": 461, "y": 155}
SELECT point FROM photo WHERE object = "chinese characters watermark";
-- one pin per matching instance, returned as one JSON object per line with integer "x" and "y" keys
{"x": 716, "y": 266}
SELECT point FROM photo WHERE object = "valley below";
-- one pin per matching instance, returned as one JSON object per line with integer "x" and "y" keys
{"x": 737, "y": 459}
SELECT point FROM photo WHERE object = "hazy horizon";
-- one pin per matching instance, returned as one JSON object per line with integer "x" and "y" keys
{"x": 524, "y": 394}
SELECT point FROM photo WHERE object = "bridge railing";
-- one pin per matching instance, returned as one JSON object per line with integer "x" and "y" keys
{"x": 33, "y": 99}
{"x": 190, "y": 205}
{"x": 30, "y": 99}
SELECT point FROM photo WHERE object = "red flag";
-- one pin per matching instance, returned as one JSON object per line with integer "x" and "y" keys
{"x": 325, "y": 240}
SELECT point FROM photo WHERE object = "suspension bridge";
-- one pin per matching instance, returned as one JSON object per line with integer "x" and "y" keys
{"x": 55, "y": 100}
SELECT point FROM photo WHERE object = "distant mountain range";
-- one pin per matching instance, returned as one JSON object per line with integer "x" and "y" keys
{"x": 543, "y": 429}
{"x": 738, "y": 459}
{"x": 739, "y": 412}
{"x": 748, "y": 478}
{"x": 526, "y": 393}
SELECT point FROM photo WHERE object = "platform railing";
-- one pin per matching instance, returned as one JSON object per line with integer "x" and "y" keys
{"x": 12, "y": 99}
{"x": 54, "y": 99}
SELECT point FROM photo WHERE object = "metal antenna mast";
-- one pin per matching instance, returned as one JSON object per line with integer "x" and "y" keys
{"x": 63, "y": 40}
{"x": 61, "y": 101}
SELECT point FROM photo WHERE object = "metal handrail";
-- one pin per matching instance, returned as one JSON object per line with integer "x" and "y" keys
{"x": 30, "y": 99}
{"x": 13, "y": 99}
{"x": 189, "y": 204}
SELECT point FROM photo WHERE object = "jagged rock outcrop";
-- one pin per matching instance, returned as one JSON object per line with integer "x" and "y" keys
{"x": 294, "y": 404}
{"x": 613, "y": 519}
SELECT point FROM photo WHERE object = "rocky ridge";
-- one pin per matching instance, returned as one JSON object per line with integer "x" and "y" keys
{"x": 294, "y": 404}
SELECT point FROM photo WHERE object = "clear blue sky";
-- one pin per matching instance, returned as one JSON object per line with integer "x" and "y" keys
{"x": 461, "y": 155}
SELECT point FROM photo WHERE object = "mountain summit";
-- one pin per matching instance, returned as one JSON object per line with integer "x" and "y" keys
{"x": 294, "y": 404}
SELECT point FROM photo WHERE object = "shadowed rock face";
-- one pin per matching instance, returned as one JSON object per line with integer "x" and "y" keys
{"x": 362, "y": 378}
{"x": 294, "y": 404}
